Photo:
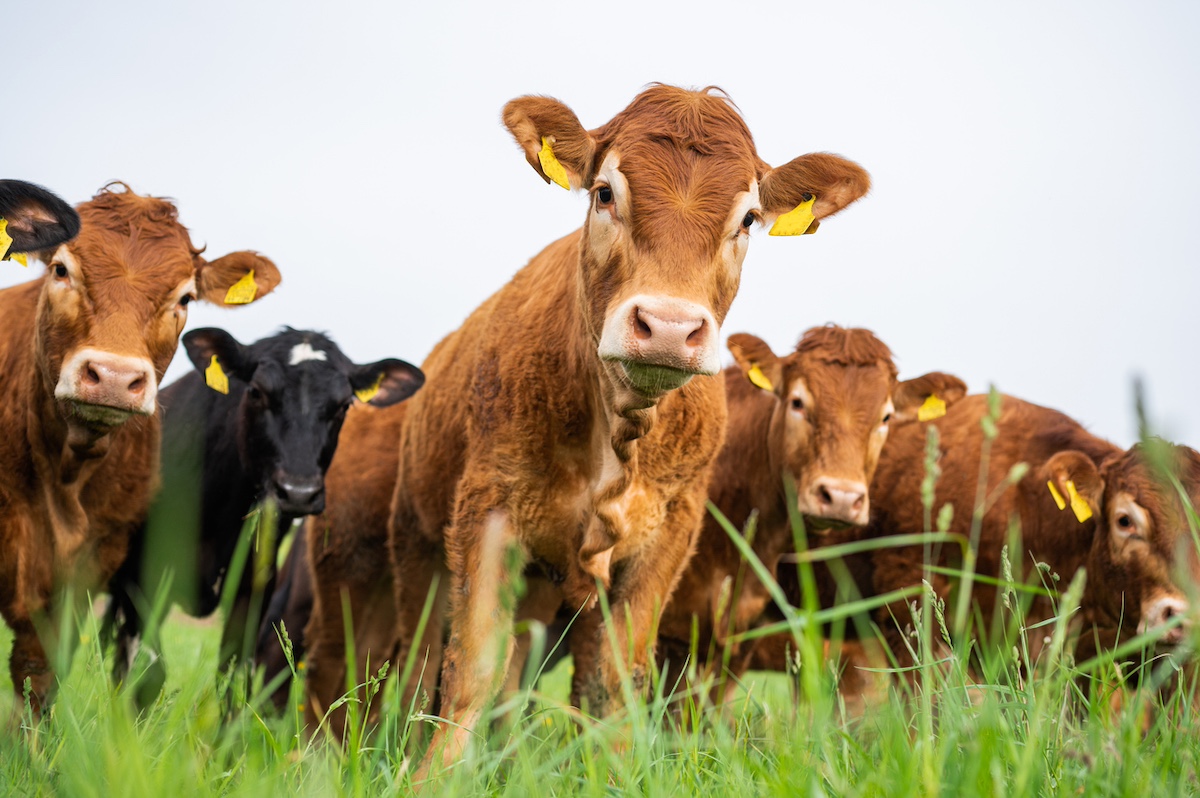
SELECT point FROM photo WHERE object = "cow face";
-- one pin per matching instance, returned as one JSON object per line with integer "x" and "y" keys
{"x": 114, "y": 303}
{"x": 1144, "y": 565}
{"x": 293, "y": 391}
{"x": 34, "y": 218}
{"x": 675, "y": 185}
{"x": 835, "y": 398}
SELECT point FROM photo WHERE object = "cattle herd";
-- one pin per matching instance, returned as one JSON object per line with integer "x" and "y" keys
{"x": 560, "y": 447}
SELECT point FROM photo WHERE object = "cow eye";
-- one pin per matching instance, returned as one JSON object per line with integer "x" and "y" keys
{"x": 60, "y": 270}
{"x": 797, "y": 403}
{"x": 887, "y": 418}
{"x": 254, "y": 393}
{"x": 1124, "y": 521}
{"x": 604, "y": 195}
{"x": 185, "y": 300}
{"x": 747, "y": 221}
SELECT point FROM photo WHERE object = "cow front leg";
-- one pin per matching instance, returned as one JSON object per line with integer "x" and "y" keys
{"x": 30, "y": 668}
{"x": 483, "y": 558}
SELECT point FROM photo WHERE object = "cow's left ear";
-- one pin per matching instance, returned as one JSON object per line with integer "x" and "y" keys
{"x": 235, "y": 279}
{"x": 386, "y": 382}
{"x": 35, "y": 218}
{"x": 795, "y": 197}
{"x": 926, "y": 397}
{"x": 1073, "y": 480}
{"x": 234, "y": 359}
{"x": 555, "y": 143}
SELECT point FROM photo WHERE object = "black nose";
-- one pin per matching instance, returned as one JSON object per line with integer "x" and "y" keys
{"x": 305, "y": 496}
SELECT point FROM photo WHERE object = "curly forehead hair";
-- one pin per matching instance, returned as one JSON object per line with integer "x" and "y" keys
{"x": 845, "y": 346}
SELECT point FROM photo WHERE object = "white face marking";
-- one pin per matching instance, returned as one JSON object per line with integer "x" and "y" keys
{"x": 737, "y": 240}
{"x": 605, "y": 227}
{"x": 303, "y": 352}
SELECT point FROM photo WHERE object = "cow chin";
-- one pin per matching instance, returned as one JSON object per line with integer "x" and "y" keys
{"x": 652, "y": 382}
{"x": 98, "y": 419}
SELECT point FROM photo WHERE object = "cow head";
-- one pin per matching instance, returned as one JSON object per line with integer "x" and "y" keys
{"x": 293, "y": 390}
{"x": 1144, "y": 564}
{"x": 675, "y": 186}
{"x": 114, "y": 302}
{"x": 33, "y": 218}
{"x": 835, "y": 398}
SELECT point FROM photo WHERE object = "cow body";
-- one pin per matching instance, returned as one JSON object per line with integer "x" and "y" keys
{"x": 819, "y": 417}
{"x": 270, "y": 434}
{"x": 570, "y": 423}
{"x": 86, "y": 348}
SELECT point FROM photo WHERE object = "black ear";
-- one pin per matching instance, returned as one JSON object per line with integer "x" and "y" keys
{"x": 235, "y": 359}
{"x": 386, "y": 382}
{"x": 37, "y": 219}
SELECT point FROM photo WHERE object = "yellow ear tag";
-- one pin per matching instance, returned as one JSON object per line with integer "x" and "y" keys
{"x": 367, "y": 394}
{"x": 756, "y": 376}
{"x": 243, "y": 291}
{"x": 5, "y": 239}
{"x": 214, "y": 376}
{"x": 550, "y": 165}
{"x": 1058, "y": 499}
{"x": 21, "y": 258}
{"x": 934, "y": 407}
{"x": 797, "y": 221}
{"x": 1078, "y": 505}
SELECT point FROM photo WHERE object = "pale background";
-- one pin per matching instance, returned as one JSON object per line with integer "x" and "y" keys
{"x": 1036, "y": 165}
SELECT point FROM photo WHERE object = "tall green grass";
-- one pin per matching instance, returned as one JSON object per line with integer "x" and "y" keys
{"x": 975, "y": 715}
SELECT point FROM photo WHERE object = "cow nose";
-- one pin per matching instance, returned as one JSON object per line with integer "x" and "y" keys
{"x": 300, "y": 495}
{"x": 670, "y": 338}
{"x": 1161, "y": 612}
{"x": 840, "y": 500}
{"x": 114, "y": 381}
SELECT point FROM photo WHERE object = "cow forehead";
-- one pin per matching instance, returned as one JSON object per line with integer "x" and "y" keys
{"x": 830, "y": 381}
{"x": 139, "y": 244}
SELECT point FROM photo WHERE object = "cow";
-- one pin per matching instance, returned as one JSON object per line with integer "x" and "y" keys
{"x": 268, "y": 430}
{"x": 33, "y": 218}
{"x": 86, "y": 348}
{"x": 820, "y": 417}
{"x": 1083, "y": 502}
{"x": 570, "y": 422}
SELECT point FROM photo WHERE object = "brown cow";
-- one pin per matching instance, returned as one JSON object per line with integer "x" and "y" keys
{"x": 821, "y": 416}
{"x": 87, "y": 345}
{"x": 1125, "y": 526}
{"x": 569, "y": 422}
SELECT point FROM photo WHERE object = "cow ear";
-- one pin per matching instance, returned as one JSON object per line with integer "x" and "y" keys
{"x": 795, "y": 197}
{"x": 386, "y": 382}
{"x": 1073, "y": 481}
{"x": 236, "y": 279}
{"x": 35, "y": 218}
{"x": 234, "y": 359}
{"x": 756, "y": 360}
{"x": 555, "y": 143}
{"x": 926, "y": 397}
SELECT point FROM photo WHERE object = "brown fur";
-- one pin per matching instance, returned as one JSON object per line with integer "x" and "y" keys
{"x": 850, "y": 380}
{"x": 70, "y": 495}
{"x": 526, "y": 448}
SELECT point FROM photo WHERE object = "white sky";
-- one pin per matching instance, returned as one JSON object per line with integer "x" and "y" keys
{"x": 1035, "y": 164}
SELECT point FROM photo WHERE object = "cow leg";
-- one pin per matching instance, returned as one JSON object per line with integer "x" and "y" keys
{"x": 641, "y": 588}
{"x": 539, "y": 606}
{"x": 29, "y": 663}
{"x": 290, "y": 608}
{"x": 477, "y": 657}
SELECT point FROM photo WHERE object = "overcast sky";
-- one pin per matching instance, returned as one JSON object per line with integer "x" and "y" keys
{"x": 1035, "y": 165}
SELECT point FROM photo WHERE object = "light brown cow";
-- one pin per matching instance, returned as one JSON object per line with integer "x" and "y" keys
{"x": 820, "y": 416}
{"x": 1133, "y": 538}
{"x": 569, "y": 423}
{"x": 86, "y": 346}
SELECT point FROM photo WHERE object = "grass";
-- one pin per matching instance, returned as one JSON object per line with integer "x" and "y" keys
{"x": 967, "y": 720}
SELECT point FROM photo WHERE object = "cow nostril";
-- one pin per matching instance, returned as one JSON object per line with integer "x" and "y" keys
{"x": 1168, "y": 613}
{"x": 640, "y": 328}
{"x": 91, "y": 376}
{"x": 858, "y": 504}
{"x": 823, "y": 495}
{"x": 696, "y": 337}
{"x": 138, "y": 385}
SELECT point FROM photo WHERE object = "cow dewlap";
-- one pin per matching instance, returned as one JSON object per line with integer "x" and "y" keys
{"x": 756, "y": 376}
{"x": 550, "y": 165}
{"x": 243, "y": 291}
{"x": 214, "y": 376}
{"x": 934, "y": 407}
{"x": 797, "y": 221}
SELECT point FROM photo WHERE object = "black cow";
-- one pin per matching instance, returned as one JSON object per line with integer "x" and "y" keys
{"x": 265, "y": 425}
{"x": 34, "y": 218}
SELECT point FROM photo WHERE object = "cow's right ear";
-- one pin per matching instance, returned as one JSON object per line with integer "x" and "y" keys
{"x": 756, "y": 360}
{"x": 1073, "y": 480}
{"x": 555, "y": 143}
{"x": 386, "y": 382}
{"x": 235, "y": 279}
{"x": 233, "y": 359}
{"x": 795, "y": 197}
{"x": 35, "y": 218}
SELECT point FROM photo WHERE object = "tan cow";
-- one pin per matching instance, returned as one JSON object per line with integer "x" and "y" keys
{"x": 821, "y": 416}
{"x": 571, "y": 421}
{"x": 85, "y": 349}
